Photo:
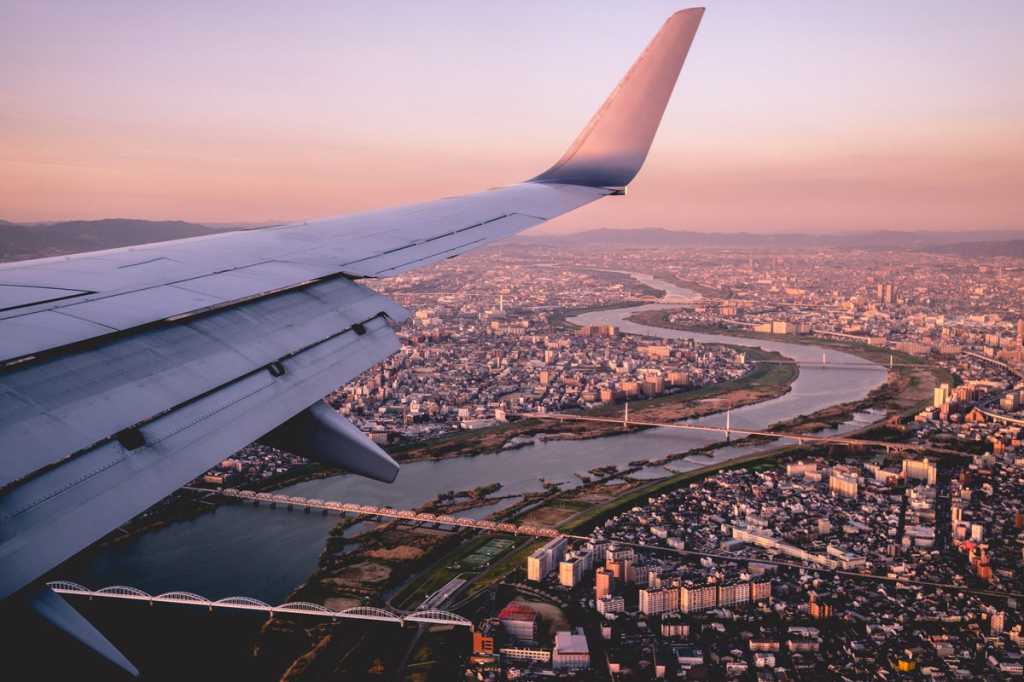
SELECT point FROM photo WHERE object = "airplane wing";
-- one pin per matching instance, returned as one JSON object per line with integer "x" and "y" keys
{"x": 126, "y": 373}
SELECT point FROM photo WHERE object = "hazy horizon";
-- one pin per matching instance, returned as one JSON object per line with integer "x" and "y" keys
{"x": 540, "y": 232}
{"x": 788, "y": 117}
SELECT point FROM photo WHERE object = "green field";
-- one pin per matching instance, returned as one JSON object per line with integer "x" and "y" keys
{"x": 485, "y": 555}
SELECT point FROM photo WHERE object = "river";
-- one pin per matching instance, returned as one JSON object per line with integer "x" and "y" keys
{"x": 266, "y": 553}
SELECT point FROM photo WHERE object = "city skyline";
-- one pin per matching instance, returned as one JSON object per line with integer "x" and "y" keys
{"x": 877, "y": 116}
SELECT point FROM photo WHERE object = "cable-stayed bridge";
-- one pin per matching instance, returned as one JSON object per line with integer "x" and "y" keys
{"x": 728, "y": 430}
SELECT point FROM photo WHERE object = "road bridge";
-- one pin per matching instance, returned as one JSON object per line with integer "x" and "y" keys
{"x": 728, "y": 430}
{"x": 291, "y": 502}
{"x": 427, "y": 616}
{"x": 1002, "y": 418}
{"x": 839, "y": 365}
{"x": 998, "y": 363}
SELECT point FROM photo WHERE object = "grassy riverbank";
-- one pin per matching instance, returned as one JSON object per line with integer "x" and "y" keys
{"x": 907, "y": 389}
{"x": 763, "y": 382}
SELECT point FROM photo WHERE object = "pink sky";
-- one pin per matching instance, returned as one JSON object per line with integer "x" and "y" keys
{"x": 788, "y": 115}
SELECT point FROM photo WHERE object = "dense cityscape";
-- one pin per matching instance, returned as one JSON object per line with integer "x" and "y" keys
{"x": 817, "y": 561}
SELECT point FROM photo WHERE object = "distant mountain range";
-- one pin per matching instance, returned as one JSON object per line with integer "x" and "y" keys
{"x": 965, "y": 243}
{"x": 1013, "y": 248}
{"x": 18, "y": 242}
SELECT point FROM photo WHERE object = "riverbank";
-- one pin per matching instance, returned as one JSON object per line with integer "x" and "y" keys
{"x": 697, "y": 287}
{"x": 907, "y": 389}
{"x": 764, "y": 382}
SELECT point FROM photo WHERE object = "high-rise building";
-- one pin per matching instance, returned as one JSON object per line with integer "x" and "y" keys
{"x": 545, "y": 559}
{"x": 920, "y": 470}
{"x": 573, "y": 567}
{"x": 1010, "y": 402}
{"x": 611, "y": 604}
{"x": 818, "y": 607}
{"x": 677, "y": 377}
{"x": 604, "y": 583}
{"x": 843, "y": 481}
{"x": 760, "y": 590}
{"x": 733, "y": 594}
{"x": 653, "y": 384}
{"x": 484, "y": 637}
{"x": 630, "y": 389}
{"x": 801, "y": 468}
{"x": 697, "y": 598}
{"x": 619, "y": 561}
{"x": 659, "y": 600}
{"x": 940, "y": 395}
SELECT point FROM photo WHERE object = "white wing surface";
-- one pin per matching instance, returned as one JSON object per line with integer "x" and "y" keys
{"x": 126, "y": 373}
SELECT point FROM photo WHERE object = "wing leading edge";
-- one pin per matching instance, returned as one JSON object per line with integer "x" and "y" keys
{"x": 126, "y": 373}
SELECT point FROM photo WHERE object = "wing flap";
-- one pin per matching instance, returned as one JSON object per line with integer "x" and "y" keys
{"x": 55, "y": 514}
{"x": 60, "y": 405}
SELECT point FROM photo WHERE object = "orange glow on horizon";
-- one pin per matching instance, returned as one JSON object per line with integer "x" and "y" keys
{"x": 303, "y": 116}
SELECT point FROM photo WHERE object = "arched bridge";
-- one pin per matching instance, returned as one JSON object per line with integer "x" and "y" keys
{"x": 301, "y": 608}
{"x": 275, "y": 499}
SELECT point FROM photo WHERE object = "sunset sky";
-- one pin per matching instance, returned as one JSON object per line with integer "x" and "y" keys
{"x": 788, "y": 116}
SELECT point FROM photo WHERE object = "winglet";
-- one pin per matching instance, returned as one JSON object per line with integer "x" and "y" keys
{"x": 613, "y": 146}
{"x": 49, "y": 606}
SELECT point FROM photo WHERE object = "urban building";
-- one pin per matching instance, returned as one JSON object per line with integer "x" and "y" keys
{"x": 544, "y": 560}
{"x": 519, "y": 622}
{"x": 570, "y": 651}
